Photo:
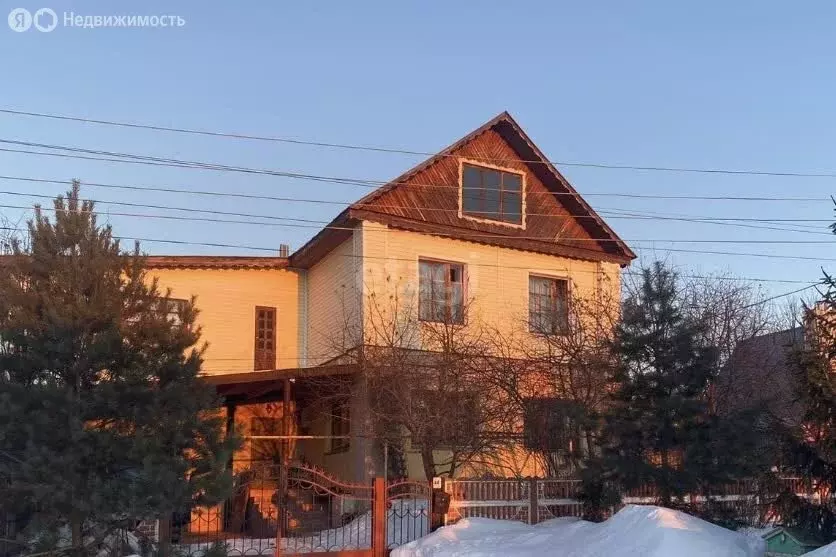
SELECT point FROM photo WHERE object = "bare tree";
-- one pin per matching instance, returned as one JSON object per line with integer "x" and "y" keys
{"x": 554, "y": 379}
{"x": 732, "y": 309}
{"x": 426, "y": 382}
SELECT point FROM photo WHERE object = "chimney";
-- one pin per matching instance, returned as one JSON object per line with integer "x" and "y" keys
{"x": 284, "y": 250}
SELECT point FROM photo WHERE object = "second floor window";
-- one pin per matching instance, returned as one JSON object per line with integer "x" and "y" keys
{"x": 548, "y": 305}
{"x": 441, "y": 292}
{"x": 265, "y": 338}
{"x": 492, "y": 194}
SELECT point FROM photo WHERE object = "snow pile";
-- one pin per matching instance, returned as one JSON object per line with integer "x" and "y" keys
{"x": 635, "y": 530}
{"x": 827, "y": 551}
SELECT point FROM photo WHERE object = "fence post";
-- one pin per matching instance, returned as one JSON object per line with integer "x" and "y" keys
{"x": 447, "y": 486}
{"x": 164, "y": 536}
{"x": 379, "y": 518}
{"x": 533, "y": 506}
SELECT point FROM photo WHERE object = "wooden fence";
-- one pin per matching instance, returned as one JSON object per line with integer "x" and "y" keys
{"x": 534, "y": 500}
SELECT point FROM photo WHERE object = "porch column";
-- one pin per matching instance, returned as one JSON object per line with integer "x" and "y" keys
{"x": 230, "y": 429}
{"x": 230, "y": 463}
{"x": 286, "y": 432}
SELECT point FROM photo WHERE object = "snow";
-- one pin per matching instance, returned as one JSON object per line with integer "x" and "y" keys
{"x": 635, "y": 530}
{"x": 827, "y": 551}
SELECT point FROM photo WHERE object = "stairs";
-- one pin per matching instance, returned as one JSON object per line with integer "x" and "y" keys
{"x": 307, "y": 514}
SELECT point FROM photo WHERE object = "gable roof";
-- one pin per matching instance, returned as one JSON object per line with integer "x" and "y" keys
{"x": 799, "y": 536}
{"x": 425, "y": 199}
{"x": 760, "y": 371}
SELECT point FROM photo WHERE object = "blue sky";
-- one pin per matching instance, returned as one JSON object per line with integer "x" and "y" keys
{"x": 744, "y": 85}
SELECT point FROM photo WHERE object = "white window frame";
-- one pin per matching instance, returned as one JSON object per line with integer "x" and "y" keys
{"x": 550, "y": 276}
{"x": 523, "y": 186}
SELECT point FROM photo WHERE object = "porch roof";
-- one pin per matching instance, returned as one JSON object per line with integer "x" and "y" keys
{"x": 253, "y": 386}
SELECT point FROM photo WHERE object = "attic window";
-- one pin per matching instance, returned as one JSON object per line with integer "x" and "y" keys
{"x": 493, "y": 194}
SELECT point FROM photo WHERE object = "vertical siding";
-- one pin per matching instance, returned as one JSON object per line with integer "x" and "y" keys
{"x": 497, "y": 287}
{"x": 226, "y": 300}
{"x": 334, "y": 301}
{"x": 350, "y": 464}
{"x": 497, "y": 278}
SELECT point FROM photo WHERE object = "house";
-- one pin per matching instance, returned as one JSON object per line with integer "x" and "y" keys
{"x": 782, "y": 541}
{"x": 760, "y": 372}
{"x": 487, "y": 225}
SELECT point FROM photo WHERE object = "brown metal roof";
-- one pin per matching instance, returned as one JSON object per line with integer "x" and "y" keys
{"x": 214, "y": 262}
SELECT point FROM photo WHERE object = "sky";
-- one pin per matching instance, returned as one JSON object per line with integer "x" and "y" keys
{"x": 711, "y": 85}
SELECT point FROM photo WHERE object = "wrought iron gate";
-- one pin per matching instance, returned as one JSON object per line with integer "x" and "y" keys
{"x": 323, "y": 514}
{"x": 318, "y": 514}
{"x": 408, "y": 512}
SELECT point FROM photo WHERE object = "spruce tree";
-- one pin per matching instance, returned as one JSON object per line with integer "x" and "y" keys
{"x": 810, "y": 440}
{"x": 103, "y": 418}
{"x": 658, "y": 411}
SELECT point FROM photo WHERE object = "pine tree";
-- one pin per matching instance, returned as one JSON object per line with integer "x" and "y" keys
{"x": 658, "y": 411}
{"x": 103, "y": 418}
{"x": 810, "y": 444}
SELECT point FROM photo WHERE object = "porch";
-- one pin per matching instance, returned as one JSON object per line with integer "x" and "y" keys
{"x": 302, "y": 418}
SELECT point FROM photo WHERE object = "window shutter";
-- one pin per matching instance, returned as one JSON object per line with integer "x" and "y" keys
{"x": 265, "y": 338}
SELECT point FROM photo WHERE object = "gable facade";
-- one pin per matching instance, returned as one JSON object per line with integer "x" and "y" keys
{"x": 321, "y": 293}
{"x": 304, "y": 312}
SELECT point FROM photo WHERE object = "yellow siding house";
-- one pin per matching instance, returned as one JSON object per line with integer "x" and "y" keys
{"x": 488, "y": 223}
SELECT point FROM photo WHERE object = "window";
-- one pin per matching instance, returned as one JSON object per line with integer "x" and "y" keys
{"x": 171, "y": 308}
{"x": 441, "y": 292}
{"x": 654, "y": 458}
{"x": 492, "y": 194}
{"x": 552, "y": 425}
{"x": 266, "y": 449}
{"x": 265, "y": 338}
{"x": 340, "y": 425}
{"x": 548, "y": 305}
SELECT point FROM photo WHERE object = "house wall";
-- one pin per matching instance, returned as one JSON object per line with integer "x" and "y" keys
{"x": 320, "y": 309}
{"x": 496, "y": 277}
{"x": 497, "y": 290}
{"x": 333, "y": 301}
{"x": 227, "y": 299}
{"x": 356, "y": 463}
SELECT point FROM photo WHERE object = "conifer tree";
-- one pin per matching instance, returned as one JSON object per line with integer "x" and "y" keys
{"x": 659, "y": 410}
{"x": 103, "y": 418}
{"x": 810, "y": 442}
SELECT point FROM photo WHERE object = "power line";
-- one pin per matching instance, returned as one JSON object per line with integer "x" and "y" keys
{"x": 170, "y": 189}
{"x": 132, "y": 158}
{"x": 609, "y": 213}
{"x": 319, "y": 225}
{"x": 493, "y": 265}
{"x": 784, "y": 295}
{"x": 737, "y": 254}
{"x": 355, "y": 147}
{"x": 156, "y": 161}
{"x": 166, "y": 241}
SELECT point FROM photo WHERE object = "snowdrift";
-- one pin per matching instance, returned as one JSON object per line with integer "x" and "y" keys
{"x": 827, "y": 551}
{"x": 634, "y": 531}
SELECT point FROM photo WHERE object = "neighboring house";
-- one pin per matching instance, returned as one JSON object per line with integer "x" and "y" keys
{"x": 784, "y": 542}
{"x": 488, "y": 224}
{"x": 760, "y": 372}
